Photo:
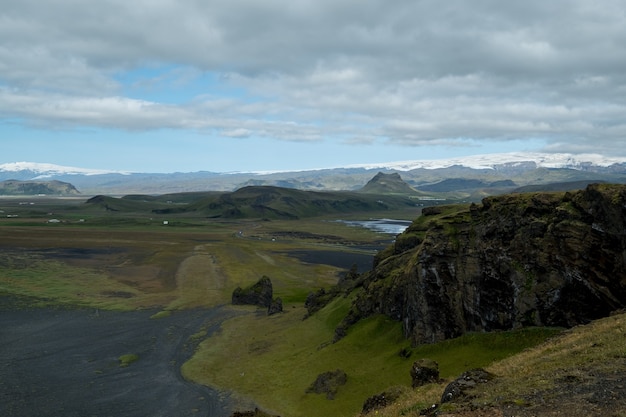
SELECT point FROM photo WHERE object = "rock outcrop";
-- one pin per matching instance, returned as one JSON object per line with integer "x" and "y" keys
{"x": 252, "y": 413}
{"x": 458, "y": 388}
{"x": 328, "y": 383}
{"x": 382, "y": 400}
{"x": 276, "y": 306}
{"x": 424, "y": 371}
{"x": 259, "y": 294}
{"x": 536, "y": 259}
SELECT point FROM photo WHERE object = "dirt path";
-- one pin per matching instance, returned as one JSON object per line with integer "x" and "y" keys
{"x": 65, "y": 363}
{"x": 199, "y": 280}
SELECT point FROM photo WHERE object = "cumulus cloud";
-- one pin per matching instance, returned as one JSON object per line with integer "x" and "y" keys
{"x": 409, "y": 72}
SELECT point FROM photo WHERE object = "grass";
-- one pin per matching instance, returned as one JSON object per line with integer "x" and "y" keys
{"x": 590, "y": 354}
{"x": 600, "y": 346}
{"x": 273, "y": 360}
{"x": 473, "y": 350}
{"x": 53, "y": 282}
{"x": 161, "y": 314}
{"x": 168, "y": 267}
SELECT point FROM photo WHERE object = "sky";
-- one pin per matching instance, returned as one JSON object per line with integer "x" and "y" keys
{"x": 248, "y": 85}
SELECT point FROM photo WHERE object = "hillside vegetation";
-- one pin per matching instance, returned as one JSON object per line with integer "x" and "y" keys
{"x": 259, "y": 202}
{"x": 578, "y": 373}
{"x": 490, "y": 285}
{"x": 536, "y": 259}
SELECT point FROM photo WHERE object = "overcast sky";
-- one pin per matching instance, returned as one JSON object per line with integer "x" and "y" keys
{"x": 231, "y": 85}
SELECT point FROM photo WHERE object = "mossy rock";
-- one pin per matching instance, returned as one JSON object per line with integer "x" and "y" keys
{"x": 328, "y": 383}
{"x": 127, "y": 359}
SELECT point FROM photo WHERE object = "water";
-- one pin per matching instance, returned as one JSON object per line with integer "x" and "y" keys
{"x": 386, "y": 226}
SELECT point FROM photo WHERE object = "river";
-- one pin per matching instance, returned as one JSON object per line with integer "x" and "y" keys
{"x": 386, "y": 226}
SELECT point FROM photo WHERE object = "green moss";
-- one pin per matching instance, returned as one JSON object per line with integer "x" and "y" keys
{"x": 475, "y": 350}
{"x": 161, "y": 314}
{"x": 127, "y": 359}
{"x": 530, "y": 278}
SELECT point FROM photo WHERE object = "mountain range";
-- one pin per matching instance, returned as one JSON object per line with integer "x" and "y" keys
{"x": 471, "y": 177}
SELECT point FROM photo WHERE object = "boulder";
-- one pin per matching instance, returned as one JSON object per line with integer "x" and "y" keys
{"x": 328, "y": 383}
{"x": 424, "y": 371}
{"x": 275, "y": 307}
{"x": 260, "y": 294}
{"x": 458, "y": 388}
{"x": 382, "y": 400}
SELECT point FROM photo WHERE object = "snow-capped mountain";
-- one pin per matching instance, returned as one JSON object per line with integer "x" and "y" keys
{"x": 519, "y": 168}
{"x": 43, "y": 170}
{"x": 486, "y": 161}
{"x": 492, "y": 161}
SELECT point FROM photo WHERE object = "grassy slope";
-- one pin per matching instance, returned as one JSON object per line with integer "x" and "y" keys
{"x": 580, "y": 353}
{"x": 558, "y": 377}
{"x": 273, "y": 360}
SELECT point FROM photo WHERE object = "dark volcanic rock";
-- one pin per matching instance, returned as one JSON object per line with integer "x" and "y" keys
{"x": 536, "y": 259}
{"x": 259, "y": 294}
{"x": 276, "y": 306}
{"x": 424, "y": 371}
{"x": 252, "y": 413}
{"x": 379, "y": 401}
{"x": 458, "y": 388}
{"x": 328, "y": 383}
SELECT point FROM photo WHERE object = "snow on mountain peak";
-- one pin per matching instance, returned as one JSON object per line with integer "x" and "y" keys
{"x": 46, "y": 170}
{"x": 485, "y": 161}
{"x": 491, "y": 161}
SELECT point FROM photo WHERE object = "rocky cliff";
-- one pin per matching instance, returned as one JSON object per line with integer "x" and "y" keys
{"x": 259, "y": 294}
{"x": 536, "y": 259}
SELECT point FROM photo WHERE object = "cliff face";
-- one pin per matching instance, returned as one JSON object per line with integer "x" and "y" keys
{"x": 541, "y": 259}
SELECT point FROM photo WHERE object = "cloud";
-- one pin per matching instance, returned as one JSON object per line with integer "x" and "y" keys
{"x": 407, "y": 72}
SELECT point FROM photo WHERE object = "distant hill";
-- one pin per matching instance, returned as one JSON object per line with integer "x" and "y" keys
{"x": 137, "y": 203}
{"x": 482, "y": 175}
{"x": 387, "y": 184}
{"x": 557, "y": 186}
{"x": 17, "y": 187}
{"x": 287, "y": 203}
{"x": 255, "y": 202}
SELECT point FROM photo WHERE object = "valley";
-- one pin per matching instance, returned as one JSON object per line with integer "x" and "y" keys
{"x": 150, "y": 280}
{"x": 109, "y": 271}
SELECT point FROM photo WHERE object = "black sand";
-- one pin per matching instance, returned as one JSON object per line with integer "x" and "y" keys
{"x": 56, "y": 362}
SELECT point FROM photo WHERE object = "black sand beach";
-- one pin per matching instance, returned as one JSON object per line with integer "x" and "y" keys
{"x": 56, "y": 362}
